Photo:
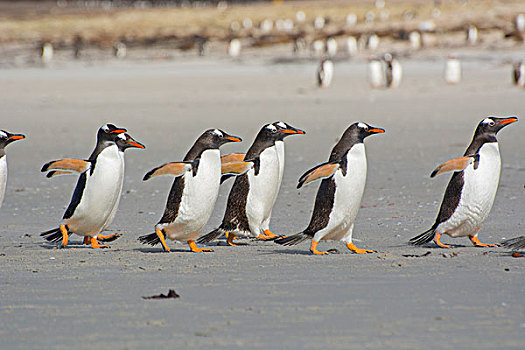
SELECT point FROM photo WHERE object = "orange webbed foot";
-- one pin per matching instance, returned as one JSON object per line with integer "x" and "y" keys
{"x": 357, "y": 250}
{"x": 108, "y": 238}
{"x": 267, "y": 235}
{"x": 475, "y": 240}
{"x": 229, "y": 239}
{"x": 437, "y": 239}
{"x": 313, "y": 249}
{"x": 196, "y": 249}
{"x": 96, "y": 244}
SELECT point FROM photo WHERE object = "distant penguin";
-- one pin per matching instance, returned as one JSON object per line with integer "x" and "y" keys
{"x": 119, "y": 49}
{"x": 317, "y": 47}
{"x": 519, "y": 22}
{"x": 472, "y": 34}
{"x": 299, "y": 45}
{"x": 414, "y": 38}
{"x": 46, "y": 52}
{"x": 98, "y": 189}
{"x": 372, "y": 42}
{"x": 253, "y": 194}
{"x": 452, "y": 70}
{"x": 514, "y": 243}
{"x": 393, "y": 71}
{"x": 351, "y": 20}
{"x": 518, "y": 74}
{"x": 194, "y": 191}
{"x": 319, "y": 23}
{"x": 339, "y": 196}
{"x": 5, "y": 139}
{"x": 325, "y": 72}
{"x": 376, "y": 74}
{"x": 471, "y": 191}
{"x": 351, "y": 46}
{"x": 331, "y": 47}
{"x": 234, "y": 48}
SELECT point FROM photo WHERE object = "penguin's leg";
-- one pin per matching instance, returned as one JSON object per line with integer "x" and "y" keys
{"x": 352, "y": 246}
{"x": 108, "y": 238}
{"x": 95, "y": 244}
{"x": 437, "y": 239}
{"x": 162, "y": 240}
{"x": 229, "y": 239}
{"x": 475, "y": 240}
{"x": 356, "y": 250}
{"x": 313, "y": 249}
{"x": 196, "y": 249}
{"x": 266, "y": 235}
{"x": 65, "y": 235}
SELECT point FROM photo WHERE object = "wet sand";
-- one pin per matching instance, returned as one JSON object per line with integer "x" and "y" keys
{"x": 261, "y": 295}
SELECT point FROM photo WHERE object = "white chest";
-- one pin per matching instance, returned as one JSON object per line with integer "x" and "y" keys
{"x": 200, "y": 192}
{"x": 350, "y": 187}
{"x": 279, "y": 147}
{"x": 3, "y": 177}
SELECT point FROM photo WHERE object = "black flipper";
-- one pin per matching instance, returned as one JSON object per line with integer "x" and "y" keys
{"x": 54, "y": 235}
{"x": 152, "y": 239}
{"x": 514, "y": 243}
{"x": 225, "y": 177}
{"x": 213, "y": 235}
{"x": 293, "y": 240}
{"x": 423, "y": 238}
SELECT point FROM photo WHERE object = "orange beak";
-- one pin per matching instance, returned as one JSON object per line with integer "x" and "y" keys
{"x": 118, "y": 131}
{"x": 233, "y": 138}
{"x": 136, "y": 144}
{"x": 509, "y": 120}
{"x": 376, "y": 131}
{"x": 293, "y": 131}
{"x": 17, "y": 137}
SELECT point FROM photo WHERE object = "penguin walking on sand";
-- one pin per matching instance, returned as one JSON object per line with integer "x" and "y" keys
{"x": 340, "y": 192}
{"x": 376, "y": 74}
{"x": 518, "y": 74}
{"x": 471, "y": 191}
{"x": 194, "y": 191}
{"x": 325, "y": 72}
{"x": 287, "y": 130}
{"x": 5, "y": 139}
{"x": 97, "y": 193}
{"x": 452, "y": 70}
{"x": 253, "y": 194}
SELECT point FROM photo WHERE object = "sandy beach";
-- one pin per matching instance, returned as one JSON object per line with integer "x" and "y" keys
{"x": 261, "y": 295}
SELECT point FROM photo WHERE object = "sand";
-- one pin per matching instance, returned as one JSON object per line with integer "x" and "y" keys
{"x": 261, "y": 295}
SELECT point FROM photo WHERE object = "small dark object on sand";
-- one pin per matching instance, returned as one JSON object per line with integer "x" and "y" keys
{"x": 417, "y": 256}
{"x": 517, "y": 255}
{"x": 171, "y": 295}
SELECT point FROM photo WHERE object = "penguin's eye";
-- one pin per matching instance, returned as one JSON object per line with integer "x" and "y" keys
{"x": 491, "y": 123}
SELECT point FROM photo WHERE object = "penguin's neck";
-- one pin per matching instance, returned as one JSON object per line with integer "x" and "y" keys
{"x": 478, "y": 141}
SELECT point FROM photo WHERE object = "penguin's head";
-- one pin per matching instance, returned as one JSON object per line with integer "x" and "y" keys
{"x": 214, "y": 138}
{"x": 491, "y": 125}
{"x": 358, "y": 131}
{"x": 6, "y": 138}
{"x": 285, "y": 129}
{"x": 125, "y": 141}
{"x": 109, "y": 132}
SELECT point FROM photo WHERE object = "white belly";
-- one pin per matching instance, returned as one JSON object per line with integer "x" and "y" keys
{"x": 198, "y": 198}
{"x": 279, "y": 146}
{"x": 348, "y": 194}
{"x": 453, "y": 71}
{"x": 376, "y": 75}
{"x": 3, "y": 177}
{"x": 477, "y": 196}
{"x": 263, "y": 190}
{"x": 397, "y": 73}
{"x": 101, "y": 194}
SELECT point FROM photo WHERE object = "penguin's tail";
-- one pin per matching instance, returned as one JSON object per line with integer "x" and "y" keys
{"x": 151, "y": 239}
{"x": 213, "y": 235}
{"x": 423, "y": 238}
{"x": 514, "y": 243}
{"x": 293, "y": 240}
{"x": 54, "y": 235}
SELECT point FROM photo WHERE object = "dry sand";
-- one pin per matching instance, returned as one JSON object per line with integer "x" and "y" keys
{"x": 261, "y": 295}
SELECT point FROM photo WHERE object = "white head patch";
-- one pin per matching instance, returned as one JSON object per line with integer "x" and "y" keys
{"x": 362, "y": 125}
{"x": 105, "y": 127}
{"x": 271, "y": 127}
{"x": 281, "y": 125}
{"x": 218, "y": 132}
{"x": 3, "y": 135}
{"x": 487, "y": 121}
{"x": 122, "y": 136}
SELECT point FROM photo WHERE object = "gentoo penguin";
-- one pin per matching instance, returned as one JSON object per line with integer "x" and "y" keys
{"x": 514, "y": 243}
{"x": 376, "y": 75}
{"x": 253, "y": 194}
{"x": 472, "y": 34}
{"x": 414, "y": 37}
{"x": 518, "y": 73}
{"x": 452, "y": 70}
{"x": 5, "y": 139}
{"x": 194, "y": 191}
{"x": 97, "y": 193}
{"x": 393, "y": 71}
{"x": 331, "y": 46}
{"x": 339, "y": 195}
{"x": 234, "y": 48}
{"x": 325, "y": 72}
{"x": 471, "y": 191}
{"x": 351, "y": 46}
{"x": 286, "y": 130}
{"x": 46, "y": 52}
